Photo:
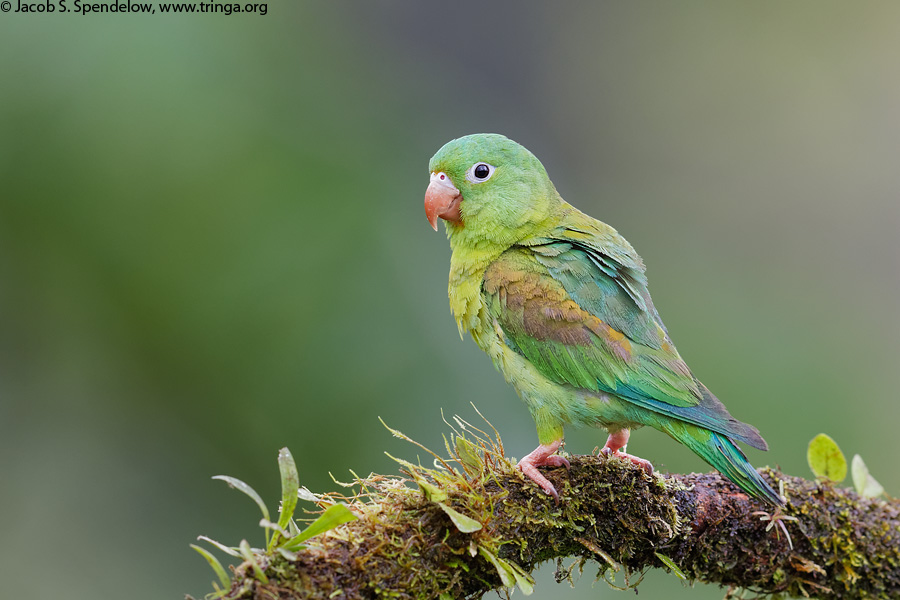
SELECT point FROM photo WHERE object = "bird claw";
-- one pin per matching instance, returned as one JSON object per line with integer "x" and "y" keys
{"x": 532, "y": 473}
{"x": 543, "y": 456}
{"x": 616, "y": 442}
{"x": 556, "y": 461}
{"x": 645, "y": 464}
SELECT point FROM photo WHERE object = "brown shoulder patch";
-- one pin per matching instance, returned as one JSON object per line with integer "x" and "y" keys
{"x": 546, "y": 311}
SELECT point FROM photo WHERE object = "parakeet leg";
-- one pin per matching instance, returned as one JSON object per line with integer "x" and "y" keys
{"x": 617, "y": 441}
{"x": 543, "y": 455}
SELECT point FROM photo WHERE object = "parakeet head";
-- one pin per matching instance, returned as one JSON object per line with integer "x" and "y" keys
{"x": 488, "y": 186}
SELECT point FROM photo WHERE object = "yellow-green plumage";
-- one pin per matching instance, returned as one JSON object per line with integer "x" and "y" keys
{"x": 559, "y": 302}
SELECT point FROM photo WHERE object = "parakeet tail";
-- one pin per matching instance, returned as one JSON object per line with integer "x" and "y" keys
{"x": 725, "y": 456}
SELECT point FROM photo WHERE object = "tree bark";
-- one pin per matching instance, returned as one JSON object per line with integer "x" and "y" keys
{"x": 407, "y": 544}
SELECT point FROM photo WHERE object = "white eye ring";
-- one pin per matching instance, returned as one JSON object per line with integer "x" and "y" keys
{"x": 470, "y": 174}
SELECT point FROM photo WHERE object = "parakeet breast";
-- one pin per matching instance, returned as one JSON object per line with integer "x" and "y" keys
{"x": 467, "y": 267}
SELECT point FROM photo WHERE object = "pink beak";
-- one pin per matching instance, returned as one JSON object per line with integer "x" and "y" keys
{"x": 442, "y": 200}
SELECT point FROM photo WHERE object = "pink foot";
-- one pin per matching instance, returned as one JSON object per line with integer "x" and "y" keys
{"x": 543, "y": 456}
{"x": 617, "y": 441}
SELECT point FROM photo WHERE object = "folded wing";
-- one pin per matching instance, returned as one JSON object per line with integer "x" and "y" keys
{"x": 581, "y": 314}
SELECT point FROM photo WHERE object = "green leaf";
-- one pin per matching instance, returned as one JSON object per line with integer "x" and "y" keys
{"x": 274, "y": 527}
{"x": 526, "y": 584}
{"x": 507, "y": 576}
{"x": 866, "y": 485}
{"x": 227, "y": 550}
{"x": 247, "y": 554}
{"x": 216, "y": 566}
{"x": 510, "y": 574}
{"x": 468, "y": 454}
{"x": 335, "y": 515}
{"x": 290, "y": 483}
{"x": 293, "y": 529}
{"x": 305, "y": 494}
{"x": 432, "y": 492}
{"x": 462, "y": 522}
{"x": 292, "y": 556}
{"x": 671, "y": 564}
{"x": 523, "y": 579}
{"x": 826, "y": 459}
{"x": 243, "y": 487}
{"x": 292, "y": 545}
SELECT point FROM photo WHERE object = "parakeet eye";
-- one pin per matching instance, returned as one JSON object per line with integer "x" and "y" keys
{"x": 480, "y": 172}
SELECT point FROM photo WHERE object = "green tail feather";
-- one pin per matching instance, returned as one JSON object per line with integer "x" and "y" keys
{"x": 725, "y": 456}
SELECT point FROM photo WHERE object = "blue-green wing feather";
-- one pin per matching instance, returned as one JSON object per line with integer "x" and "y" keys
{"x": 583, "y": 316}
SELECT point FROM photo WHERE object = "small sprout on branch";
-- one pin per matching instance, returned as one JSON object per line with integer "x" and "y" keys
{"x": 224, "y": 579}
{"x": 671, "y": 564}
{"x": 290, "y": 483}
{"x": 826, "y": 459}
{"x": 283, "y": 538}
{"x": 776, "y": 518}
{"x": 866, "y": 485}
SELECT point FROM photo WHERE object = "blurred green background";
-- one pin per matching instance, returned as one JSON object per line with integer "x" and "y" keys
{"x": 212, "y": 245}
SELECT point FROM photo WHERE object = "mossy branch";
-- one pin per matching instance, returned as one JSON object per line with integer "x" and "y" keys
{"x": 474, "y": 524}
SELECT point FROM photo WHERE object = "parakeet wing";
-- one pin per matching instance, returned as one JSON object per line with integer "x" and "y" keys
{"x": 576, "y": 306}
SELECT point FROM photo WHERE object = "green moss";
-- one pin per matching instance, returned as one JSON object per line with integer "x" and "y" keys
{"x": 406, "y": 544}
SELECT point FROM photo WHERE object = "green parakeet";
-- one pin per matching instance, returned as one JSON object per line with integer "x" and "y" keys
{"x": 559, "y": 302}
